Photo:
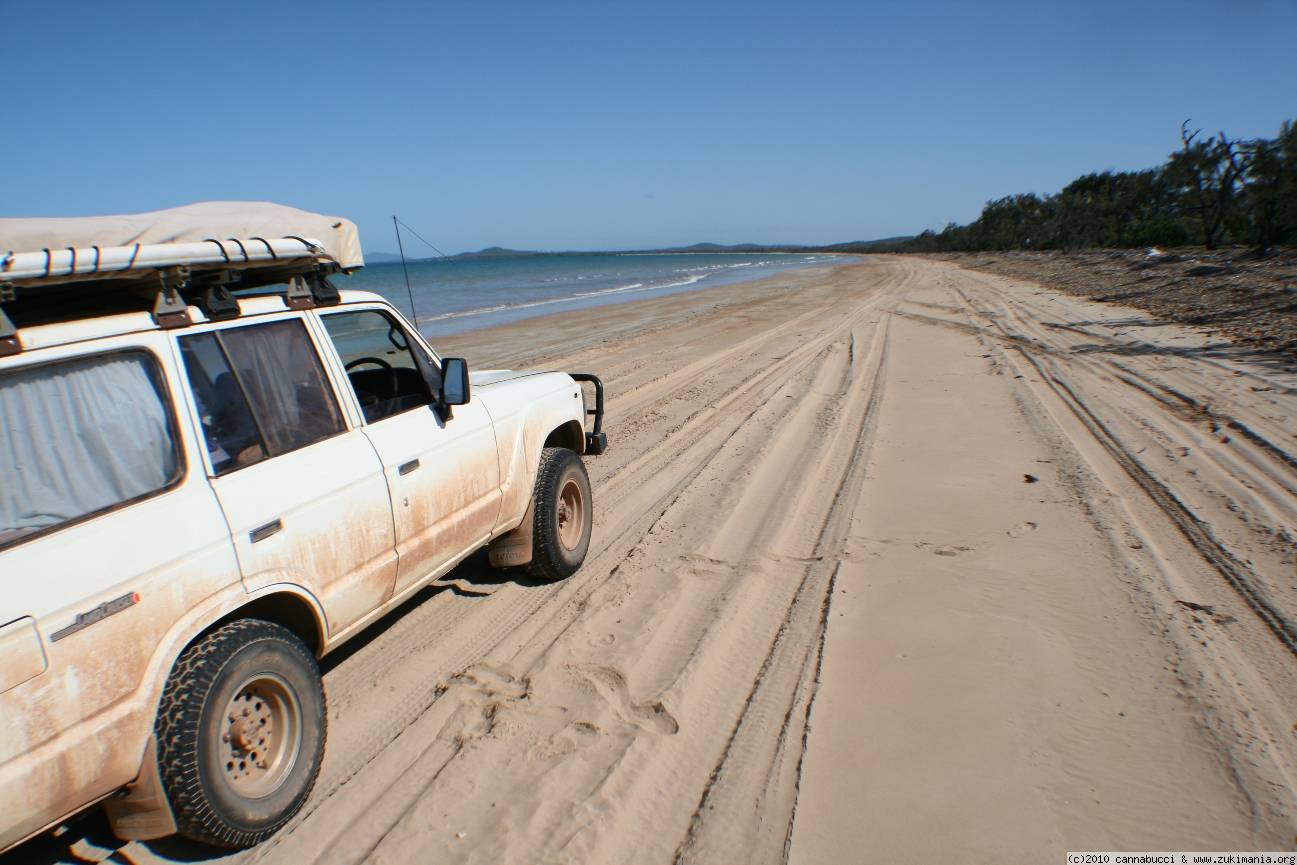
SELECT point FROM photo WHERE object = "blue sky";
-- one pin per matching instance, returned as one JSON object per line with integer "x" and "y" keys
{"x": 609, "y": 125}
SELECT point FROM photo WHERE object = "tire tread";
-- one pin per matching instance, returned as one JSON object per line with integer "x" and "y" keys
{"x": 547, "y": 559}
{"x": 177, "y": 729}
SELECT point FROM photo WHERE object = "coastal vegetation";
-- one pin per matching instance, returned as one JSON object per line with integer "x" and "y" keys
{"x": 1213, "y": 191}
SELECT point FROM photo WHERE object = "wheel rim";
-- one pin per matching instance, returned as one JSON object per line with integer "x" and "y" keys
{"x": 260, "y": 735}
{"x": 571, "y": 515}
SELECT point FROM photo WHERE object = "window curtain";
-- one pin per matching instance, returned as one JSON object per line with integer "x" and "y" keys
{"x": 78, "y": 437}
{"x": 279, "y": 368}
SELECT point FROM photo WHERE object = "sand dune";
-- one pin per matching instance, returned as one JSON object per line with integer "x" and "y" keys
{"x": 892, "y": 562}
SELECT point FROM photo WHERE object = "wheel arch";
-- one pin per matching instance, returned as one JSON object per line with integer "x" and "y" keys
{"x": 568, "y": 435}
{"x": 144, "y": 813}
{"x": 285, "y": 608}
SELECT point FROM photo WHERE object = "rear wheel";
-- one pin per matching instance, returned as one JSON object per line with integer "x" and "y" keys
{"x": 564, "y": 515}
{"x": 240, "y": 733}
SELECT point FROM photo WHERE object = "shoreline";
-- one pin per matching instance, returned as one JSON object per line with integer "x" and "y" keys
{"x": 560, "y": 331}
{"x": 458, "y": 297}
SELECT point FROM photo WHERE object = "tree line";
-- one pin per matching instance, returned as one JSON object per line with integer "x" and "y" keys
{"x": 1213, "y": 191}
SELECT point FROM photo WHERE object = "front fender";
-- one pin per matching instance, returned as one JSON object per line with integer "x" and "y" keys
{"x": 525, "y": 410}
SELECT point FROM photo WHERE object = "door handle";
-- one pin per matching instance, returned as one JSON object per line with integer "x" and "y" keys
{"x": 260, "y": 533}
{"x": 406, "y": 468}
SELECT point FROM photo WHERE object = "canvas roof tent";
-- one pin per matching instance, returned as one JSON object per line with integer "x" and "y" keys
{"x": 54, "y": 268}
{"x": 214, "y": 233}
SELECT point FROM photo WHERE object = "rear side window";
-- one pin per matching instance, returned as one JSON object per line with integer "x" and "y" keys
{"x": 260, "y": 391}
{"x": 79, "y": 437}
{"x": 229, "y": 430}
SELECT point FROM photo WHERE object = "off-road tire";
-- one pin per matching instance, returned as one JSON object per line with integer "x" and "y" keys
{"x": 205, "y": 679}
{"x": 561, "y": 473}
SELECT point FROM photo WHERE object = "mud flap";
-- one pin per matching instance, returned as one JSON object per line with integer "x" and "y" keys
{"x": 142, "y": 812}
{"x": 513, "y": 549}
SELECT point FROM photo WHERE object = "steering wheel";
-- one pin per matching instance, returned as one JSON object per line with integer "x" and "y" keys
{"x": 378, "y": 361}
{"x": 375, "y": 405}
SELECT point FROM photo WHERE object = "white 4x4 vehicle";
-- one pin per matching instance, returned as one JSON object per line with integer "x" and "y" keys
{"x": 205, "y": 488}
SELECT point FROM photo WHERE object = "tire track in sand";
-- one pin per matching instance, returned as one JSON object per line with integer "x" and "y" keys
{"x": 1195, "y": 530}
{"x": 736, "y": 407}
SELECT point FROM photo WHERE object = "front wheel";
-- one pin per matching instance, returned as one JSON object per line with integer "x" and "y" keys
{"x": 564, "y": 515}
{"x": 240, "y": 733}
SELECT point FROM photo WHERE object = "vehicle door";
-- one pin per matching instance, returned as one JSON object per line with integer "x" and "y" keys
{"x": 304, "y": 495}
{"x": 441, "y": 468}
{"x": 109, "y": 533}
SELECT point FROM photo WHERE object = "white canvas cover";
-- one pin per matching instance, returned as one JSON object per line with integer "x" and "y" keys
{"x": 191, "y": 223}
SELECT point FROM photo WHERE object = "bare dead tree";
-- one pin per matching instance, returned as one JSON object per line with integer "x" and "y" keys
{"x": 1209, "y": 171}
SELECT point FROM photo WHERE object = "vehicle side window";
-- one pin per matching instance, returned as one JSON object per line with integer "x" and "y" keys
{"x": 260, "y": 391}
{"x": 229, "y": 430}
{"x": 386, "y": 374}
{"x": 81, "y": 436}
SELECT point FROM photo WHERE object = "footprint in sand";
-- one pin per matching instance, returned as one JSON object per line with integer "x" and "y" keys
{"x": 611, "y": 685}
{"x": 567, "y": 741}
{"x": 583, "y": 731}
{"x": 1021, "y": 529}
{"x": 951, "y": 551}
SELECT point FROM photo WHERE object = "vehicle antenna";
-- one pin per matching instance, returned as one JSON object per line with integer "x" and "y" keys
{"x": 424, "y": 239}
{"x": 396, "y": 225}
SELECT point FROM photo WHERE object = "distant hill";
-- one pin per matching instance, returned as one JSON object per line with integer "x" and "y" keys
{"x": 723, "y": 248}
{"x": 867, "y": 245}
{"x": 503, "y": 252}
{"x": 849, "y": 246}
{"x": 497, "y": 252}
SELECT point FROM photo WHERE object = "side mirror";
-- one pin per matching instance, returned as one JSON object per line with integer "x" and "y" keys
{"x": 454, "y": 381}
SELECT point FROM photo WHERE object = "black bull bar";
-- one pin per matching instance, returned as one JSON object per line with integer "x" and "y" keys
{"x": 596, "y": 441}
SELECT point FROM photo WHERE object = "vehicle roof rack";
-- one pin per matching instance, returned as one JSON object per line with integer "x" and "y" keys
{"x": 204, "y": 255}
{"x": 165, "y": 278}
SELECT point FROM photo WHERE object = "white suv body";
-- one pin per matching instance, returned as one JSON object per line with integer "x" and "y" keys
{"x": 339, "y": 485}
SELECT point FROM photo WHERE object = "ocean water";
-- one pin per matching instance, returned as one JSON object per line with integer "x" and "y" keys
{"x": 456, "y": 295}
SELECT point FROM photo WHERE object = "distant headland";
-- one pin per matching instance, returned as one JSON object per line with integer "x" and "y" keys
{"x": 854, "y": 246}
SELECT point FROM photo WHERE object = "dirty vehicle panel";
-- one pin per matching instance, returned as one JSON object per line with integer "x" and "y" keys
{"x": 527, "y": 410}
{"x": 286, "y": 460}
{"x": 95, "y": 610}
{"x": 329, "y": 532}
{"x": 442, "y": 474}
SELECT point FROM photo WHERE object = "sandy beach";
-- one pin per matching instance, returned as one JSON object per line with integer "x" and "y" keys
{"x": 892, "y": 562}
